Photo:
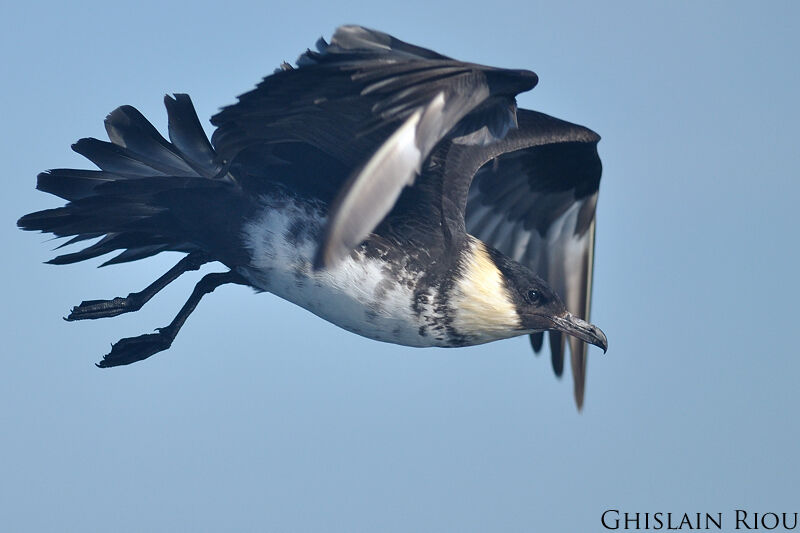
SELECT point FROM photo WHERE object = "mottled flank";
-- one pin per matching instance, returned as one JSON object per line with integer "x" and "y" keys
{"x": 371, "y": 292}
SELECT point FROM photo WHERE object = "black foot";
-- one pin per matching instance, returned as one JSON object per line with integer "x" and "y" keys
{"x": 91, "y": 309}
{"x": 132, "y": 349}
{"x": 134, "y": 301}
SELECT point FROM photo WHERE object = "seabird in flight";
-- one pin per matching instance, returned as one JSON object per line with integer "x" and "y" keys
{"x": 386, "y": 188}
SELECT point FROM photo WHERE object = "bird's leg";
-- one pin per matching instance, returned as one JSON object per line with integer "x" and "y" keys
{"x": 135, "y": 300}
{"x": 132, "y": 349}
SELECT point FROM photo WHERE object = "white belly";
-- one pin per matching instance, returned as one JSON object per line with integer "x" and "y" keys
{"x": 360, "y": 294}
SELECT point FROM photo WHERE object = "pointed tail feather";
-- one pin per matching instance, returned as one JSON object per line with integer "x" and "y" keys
{"x": 137, "y": 202}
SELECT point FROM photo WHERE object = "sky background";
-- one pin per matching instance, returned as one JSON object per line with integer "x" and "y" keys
{"x": 263, "y": 417}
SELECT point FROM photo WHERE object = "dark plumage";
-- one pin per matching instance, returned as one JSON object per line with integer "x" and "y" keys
{"x": 354, "y": 185}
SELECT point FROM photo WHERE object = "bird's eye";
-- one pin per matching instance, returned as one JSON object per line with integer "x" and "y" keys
{"x": 534, "y": 296}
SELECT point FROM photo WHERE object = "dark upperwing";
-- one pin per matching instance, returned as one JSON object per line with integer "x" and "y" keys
{"x": 533, "y": 197}
{"x": 375, "y": 105}
{"x": 362, "y": 116}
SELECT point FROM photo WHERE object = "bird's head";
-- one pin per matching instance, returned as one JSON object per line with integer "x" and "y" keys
{"x": 496, "y": 297}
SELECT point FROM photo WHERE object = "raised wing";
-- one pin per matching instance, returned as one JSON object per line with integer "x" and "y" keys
{"x": 376, "y": 105}
{"x": 533, "y": 197}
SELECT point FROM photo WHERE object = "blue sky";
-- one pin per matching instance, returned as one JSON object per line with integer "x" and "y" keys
{"x": 264, "y": 418}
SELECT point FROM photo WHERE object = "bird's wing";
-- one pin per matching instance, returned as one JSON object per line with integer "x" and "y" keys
{"x": 377, "y": 106}
{"x": 533, "y": 197}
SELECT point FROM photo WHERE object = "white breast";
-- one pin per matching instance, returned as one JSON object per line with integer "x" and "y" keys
{"x": 361, "y": 294}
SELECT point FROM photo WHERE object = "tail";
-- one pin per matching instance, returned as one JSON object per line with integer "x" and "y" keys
{"x": 150, "y": 195}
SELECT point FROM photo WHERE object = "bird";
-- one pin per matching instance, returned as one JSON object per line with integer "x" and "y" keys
{"x": 386, "y": 188}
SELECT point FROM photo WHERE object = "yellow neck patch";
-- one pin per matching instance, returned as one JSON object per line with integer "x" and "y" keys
{"x": 482, "y": 307}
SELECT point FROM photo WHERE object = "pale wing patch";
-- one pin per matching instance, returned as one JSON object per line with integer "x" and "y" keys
{"x": 373, "y": 192}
